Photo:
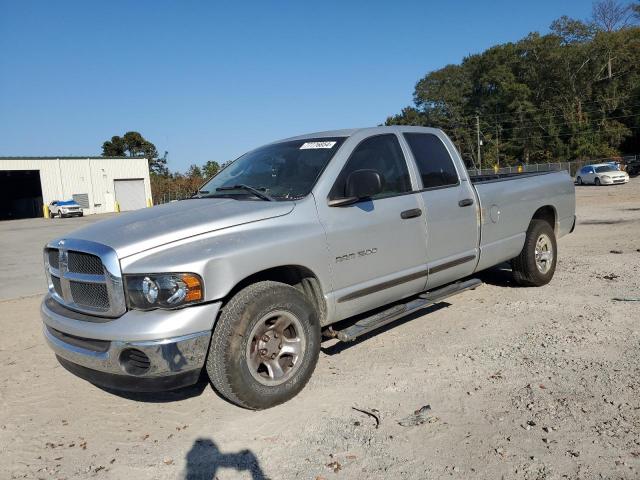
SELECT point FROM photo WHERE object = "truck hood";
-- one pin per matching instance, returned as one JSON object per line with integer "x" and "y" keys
{"x": 133, "y": 232}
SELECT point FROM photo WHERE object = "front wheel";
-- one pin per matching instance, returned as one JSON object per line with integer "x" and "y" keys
{"x": 596, "y": 182}
{"x": 265, "y": 345}
{"x": 536, "y": 263}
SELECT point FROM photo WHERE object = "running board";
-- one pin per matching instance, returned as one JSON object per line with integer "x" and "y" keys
{"x": 396, "y": 312}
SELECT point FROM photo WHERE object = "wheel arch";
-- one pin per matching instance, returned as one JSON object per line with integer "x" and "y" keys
{"x": 297, "y": 276}
{"x": 548, "y": 214}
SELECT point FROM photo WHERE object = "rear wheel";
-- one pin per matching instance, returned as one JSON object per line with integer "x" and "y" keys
{"x": 579, "y": 180}
{"x": 265, "y": 345}
{"x": 536, "y": 263}
{"x": 596, "y": 182}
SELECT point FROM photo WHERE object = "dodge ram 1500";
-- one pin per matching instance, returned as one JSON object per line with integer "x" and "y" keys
{"x": 243, "y": 279}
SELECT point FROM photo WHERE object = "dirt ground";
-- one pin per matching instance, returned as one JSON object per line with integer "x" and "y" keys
{"x": 524, "y": 383}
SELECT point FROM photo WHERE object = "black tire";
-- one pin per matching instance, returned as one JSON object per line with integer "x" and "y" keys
{"x": 525, "y": 267}
{"x": 596, "y": 182}
{"x": 579, "y": 180}
{"x": 227, "y": 363}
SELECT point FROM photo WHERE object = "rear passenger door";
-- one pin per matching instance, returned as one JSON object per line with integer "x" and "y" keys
{"x": 451, "y": 213}
{"x": 377, "y": 246}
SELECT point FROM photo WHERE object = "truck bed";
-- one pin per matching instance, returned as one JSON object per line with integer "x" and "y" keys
{"x": 500, "y": 177}
{"x": 509, "y": 201}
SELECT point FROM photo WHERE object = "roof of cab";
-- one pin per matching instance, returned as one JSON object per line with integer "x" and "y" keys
{"x": 608, "y": 164}
{"x": 347, "y": 132}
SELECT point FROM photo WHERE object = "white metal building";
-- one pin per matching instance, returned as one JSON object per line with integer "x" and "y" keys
{"x": 98, "y": 184}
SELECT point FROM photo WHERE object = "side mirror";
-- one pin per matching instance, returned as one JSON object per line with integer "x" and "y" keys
{"x": 360, "y": 184}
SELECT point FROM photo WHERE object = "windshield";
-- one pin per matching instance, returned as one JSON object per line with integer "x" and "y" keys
{"x": 282, "y": 171}
{"x": 606, "y": 168}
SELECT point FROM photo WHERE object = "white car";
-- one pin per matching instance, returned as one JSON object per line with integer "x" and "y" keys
{"x": 68, "y": 208}
{"x": 601, "y": 174}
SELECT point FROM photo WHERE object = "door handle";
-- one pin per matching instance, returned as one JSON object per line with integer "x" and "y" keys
{"x": 413, "y": 213}
{"x": 465, "y": 203}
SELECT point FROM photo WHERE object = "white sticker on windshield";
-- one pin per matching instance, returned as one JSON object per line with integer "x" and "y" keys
{"x": 309, "y": 145}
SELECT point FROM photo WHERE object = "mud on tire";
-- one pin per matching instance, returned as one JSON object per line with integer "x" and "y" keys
{"x": 245, "y": 328}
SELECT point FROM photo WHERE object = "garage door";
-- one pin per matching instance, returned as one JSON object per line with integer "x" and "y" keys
{"x": 20, "y": 194}
{"x": 130, "y": 194}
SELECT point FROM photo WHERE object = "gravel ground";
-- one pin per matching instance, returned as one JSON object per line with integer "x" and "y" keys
{"x": 525, "y": 383}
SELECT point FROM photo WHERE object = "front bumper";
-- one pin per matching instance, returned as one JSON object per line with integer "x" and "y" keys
{"x": 613, "y": 181}
{"x": 157, "y": 351}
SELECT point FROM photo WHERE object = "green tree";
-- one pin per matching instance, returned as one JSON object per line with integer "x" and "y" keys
{"x": 572, "y": 31}
{"x": 572, "y": 93}
{"x": 133, "y": 144}
{"x": 114, "y": 147}
{"x": 194, "y": 172}
{"x": 210, "y": 168}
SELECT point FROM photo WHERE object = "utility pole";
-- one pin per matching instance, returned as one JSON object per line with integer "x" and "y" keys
{"x": 478, "y": 138}
{"x": 497, "y": 145}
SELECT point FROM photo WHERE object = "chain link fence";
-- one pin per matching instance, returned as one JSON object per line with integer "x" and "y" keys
{"x": 172, "y": 196}
{"x": 571, "y": 167}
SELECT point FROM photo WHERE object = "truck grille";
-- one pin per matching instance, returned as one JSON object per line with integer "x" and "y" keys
{"x": 56, "y": 285}
{"x": 84, "y": 263}
{"x": 85, "y": 276}
{"x": 90, "y": 295}
{"x": 53, "y": 258}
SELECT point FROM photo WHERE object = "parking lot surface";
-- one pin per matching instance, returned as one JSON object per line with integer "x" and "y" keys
{"x": 524, "y": 383}
{"x": 21, "y": 243}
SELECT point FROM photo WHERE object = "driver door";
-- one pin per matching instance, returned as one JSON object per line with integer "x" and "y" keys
{"x": 378, "y": 245}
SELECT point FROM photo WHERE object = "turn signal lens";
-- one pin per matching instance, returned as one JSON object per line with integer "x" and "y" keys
{"x": 194, "y": 286}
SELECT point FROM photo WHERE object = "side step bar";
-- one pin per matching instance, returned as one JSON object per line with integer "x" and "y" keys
{"x": 396, "y": 312}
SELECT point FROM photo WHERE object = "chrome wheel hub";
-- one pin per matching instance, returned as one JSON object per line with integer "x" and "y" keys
{"x": 275, "y": 348}
{"x": 544, "y": 253}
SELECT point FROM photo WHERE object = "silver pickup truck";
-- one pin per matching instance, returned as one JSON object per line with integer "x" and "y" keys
{"x": 359, "y": 227}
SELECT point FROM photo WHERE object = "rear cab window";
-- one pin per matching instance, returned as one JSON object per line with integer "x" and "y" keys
{"x": 434, "y": 163}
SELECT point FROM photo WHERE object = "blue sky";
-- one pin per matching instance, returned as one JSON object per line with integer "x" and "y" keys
{"x": 209, "y": 80}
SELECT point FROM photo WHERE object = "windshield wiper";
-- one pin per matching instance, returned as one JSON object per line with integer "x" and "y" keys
{"x": 200, "y": 194}
{"x": 249, "y": 189}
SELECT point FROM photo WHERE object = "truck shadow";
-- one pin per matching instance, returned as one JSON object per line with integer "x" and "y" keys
{"x": 498, "y": 276}
{"x": 336, "y": 348}
{"x": 204, "y": 459}
{"x": 168, "y": 396}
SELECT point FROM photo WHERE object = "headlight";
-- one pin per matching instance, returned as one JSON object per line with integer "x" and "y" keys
{"x": 163, "y": 290}
{"x": 606, "y": 177}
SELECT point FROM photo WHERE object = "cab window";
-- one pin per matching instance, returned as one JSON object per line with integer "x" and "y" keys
{"x": 383, "y": 154}
{"x": 433, "y": 160}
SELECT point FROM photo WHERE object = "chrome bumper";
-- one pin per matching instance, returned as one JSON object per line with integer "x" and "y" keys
{"x": 166, "y": 357}
{"x": 174, "y": 341}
